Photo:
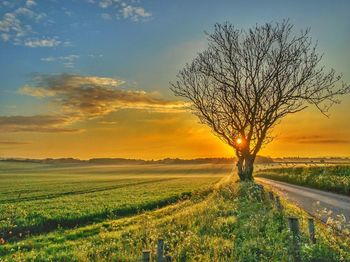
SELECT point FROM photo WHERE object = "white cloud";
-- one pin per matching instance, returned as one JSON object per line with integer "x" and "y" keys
{"x": 135, "y": 13}
{"x": 44, "y": 42}
{"x": 16, "y": 25}
{"x": 30, "y": 3}
{"x": 122, "y": 10}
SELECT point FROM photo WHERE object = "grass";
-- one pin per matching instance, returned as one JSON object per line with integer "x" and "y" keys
{"x": 330, "y": 178}
{"x": 37, "y": 198}
{"x": 229, "y": 222}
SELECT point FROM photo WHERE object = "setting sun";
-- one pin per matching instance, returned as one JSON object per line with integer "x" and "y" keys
{"x": 239, "y": 141}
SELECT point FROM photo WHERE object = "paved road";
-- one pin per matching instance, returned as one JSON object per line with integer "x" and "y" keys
{"x": 313, "y": 200}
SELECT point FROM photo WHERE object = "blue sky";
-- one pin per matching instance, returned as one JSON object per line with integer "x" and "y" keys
{"x": 142, "y": 43}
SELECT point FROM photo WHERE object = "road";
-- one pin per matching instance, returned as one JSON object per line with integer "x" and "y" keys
{"x": 313, "y": 200}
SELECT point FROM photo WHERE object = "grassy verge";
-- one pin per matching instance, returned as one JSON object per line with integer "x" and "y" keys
{"x": 331, "y": 244}
{"x": 229, "y": 224}
{"x": 332, "y": 178}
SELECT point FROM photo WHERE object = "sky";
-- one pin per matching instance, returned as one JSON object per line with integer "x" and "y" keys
{"x": 90, "y": 78}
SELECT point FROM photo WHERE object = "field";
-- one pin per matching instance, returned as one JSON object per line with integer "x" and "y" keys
{"x": 35, "y": 198}
{"x": 329, "y": 178}
{"x": 113, "y": 213}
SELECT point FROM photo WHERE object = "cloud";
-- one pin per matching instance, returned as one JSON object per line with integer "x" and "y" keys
{"x": 5, "y": 37}
{"x": 135, "y": 13}
{"x": 13, "y": 143}
{"x": 79, "y": 98}
{"x": 122, "y": 10}
{"x": 30, "y": 3}
{"x": 17, "y": 22}
{"x": 21, "y": 21}
{"x": 105, "y": 3}
{"x": 36, "y": 123}
{"x": 12, "y": 28}
{"x": 36, "y": 91}
{"x": 315, "y": 139}
{"x": 68, "y": 61}
{"x": 92, "y": 96}
{"x": 44, "y": 42}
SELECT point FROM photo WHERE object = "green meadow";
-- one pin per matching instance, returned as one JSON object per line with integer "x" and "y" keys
{"x": 112, "y": 213}
{"x": 35, "y": 198}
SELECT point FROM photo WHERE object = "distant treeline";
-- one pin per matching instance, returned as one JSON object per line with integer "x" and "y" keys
{"x": 311, "y": 159}
{"x": 170, "y": 161}
{"x": 124, "y": 161}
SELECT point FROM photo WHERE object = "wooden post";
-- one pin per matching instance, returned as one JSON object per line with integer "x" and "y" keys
{"x": 271, "y": 195}
{"x": 160, "y": 250}
{"x": 168, "y": 258}
{"x": 261, "y": 192}
{"x": 146, "y": 256}
{"x": 294, "y": 226}
{"x": 312, "y": 230}
{"x": 278, "y": 203}
{"x": 293, "y": 223}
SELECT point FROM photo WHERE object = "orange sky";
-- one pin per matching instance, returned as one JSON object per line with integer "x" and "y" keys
{"x": 147, "y": 134}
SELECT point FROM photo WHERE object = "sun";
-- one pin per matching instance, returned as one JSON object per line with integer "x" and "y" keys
{"x": 239, "y": 141}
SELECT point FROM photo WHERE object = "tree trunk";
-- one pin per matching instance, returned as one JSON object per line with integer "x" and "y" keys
{"x": 245, "y": 166}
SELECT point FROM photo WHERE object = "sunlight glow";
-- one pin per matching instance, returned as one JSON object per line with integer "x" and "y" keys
{"x": 239, "y": 141}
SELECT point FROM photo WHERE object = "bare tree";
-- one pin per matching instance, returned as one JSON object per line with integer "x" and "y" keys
{"x": 248, "y": 80}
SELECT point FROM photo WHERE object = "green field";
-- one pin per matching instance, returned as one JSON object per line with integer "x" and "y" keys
{"x": 35, "y": 197}
{"x": 113, "y": 213}
{"x": 330, "y": 178}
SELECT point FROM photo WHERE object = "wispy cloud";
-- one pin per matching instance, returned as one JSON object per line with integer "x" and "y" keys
{"x": 36, "y": 123}
{"x": 13, "y": 143}
{"x": 68, "y": 61}
{"x": 122, "y": 10}
{"x": 315, "y": 139}
{"x": 43, "y": 42}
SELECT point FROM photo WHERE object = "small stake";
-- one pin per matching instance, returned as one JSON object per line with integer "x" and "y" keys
{"x": 160, "y": 250}
{"x": 293, "y": 223}
{"x": 146, "y": 256}
{"x": 278, "y": 203}
{"x": 312, "y": 230}
{"x": 294, "y": 226}
{"x": 261, "y": 192}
